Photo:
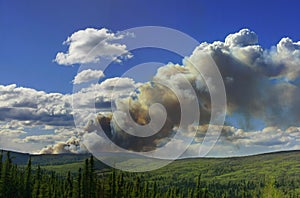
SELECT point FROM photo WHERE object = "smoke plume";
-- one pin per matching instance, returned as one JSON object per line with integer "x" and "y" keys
{"x": 261, "y": 85}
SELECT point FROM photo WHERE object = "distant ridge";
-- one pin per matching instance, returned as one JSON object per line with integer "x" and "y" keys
{"x": 246, "y": 156}
{"x": 20, "y": 158}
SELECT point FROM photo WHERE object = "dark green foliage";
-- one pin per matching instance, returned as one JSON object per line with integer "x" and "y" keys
{"x": 199, "y": 178}
{"x": 35, "y": 182}
{"x": 28, "y": 179}
{"x": 79, "y": 186}
{"x": 6, "y": 179}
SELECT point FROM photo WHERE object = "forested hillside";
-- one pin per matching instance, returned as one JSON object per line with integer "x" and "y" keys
{"x": 268, "y": 175}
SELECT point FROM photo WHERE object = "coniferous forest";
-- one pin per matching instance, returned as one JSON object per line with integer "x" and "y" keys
{"x": 88, "y": 182}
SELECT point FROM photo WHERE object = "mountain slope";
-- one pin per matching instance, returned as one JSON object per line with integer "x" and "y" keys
{"x": 251, "y": 176}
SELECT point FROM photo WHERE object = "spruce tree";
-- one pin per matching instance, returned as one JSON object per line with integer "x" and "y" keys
{"x": 198, "y": 187}
{"x": 37, "y": 183}
{"x": 113, "y": 184}
{"x": 6, "y": 187}
{"x": 28, "y": 179}
{"x": 79, "y": 183}
{"x": 92, "y": 177}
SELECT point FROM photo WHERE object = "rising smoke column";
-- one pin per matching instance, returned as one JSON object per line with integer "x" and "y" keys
{"x": 253, "y": 83}
{"x": 261, "y": 84}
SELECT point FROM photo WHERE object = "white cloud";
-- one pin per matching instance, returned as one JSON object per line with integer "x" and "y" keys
{"x": 242, "y": 38}
{"x": 88, "y": 75}
{"x": 251, "y": 93}
{"x": 252, "y": 69}
{"x": 236, "y": 142}
{"x": 287, "y": 56}
{"x": 49, "y": 139}
{"x": 11, "y": 132}
{"x": 33, "y": 107}
{"x": 280, "y": 61}
{"x": 104, "y": 93}
{"x": 24, "y": 111}
{"x": 91, "y": 45}
{"x": 248, "y": 70}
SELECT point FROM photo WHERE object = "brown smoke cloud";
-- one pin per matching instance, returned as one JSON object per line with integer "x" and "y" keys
{"x": 149, "y": 93}
{"x": 252, "y": 78}
{"x": 73, "y": 145}
{"x": 261, "y": 84}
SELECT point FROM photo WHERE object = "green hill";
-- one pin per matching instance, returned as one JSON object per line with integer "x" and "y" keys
{"x": 251, "y": 176}
{"x": 234, "y": 175}
{"x": 277, "y": 164}
{"x": 277, "y": 174}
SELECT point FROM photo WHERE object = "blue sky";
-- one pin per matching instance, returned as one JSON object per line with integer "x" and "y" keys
{"x": 262, "y": 79}
{"x": 32, "y": 32}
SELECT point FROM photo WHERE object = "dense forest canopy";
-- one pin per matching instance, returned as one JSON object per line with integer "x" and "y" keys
{"x": 188, "y": 181}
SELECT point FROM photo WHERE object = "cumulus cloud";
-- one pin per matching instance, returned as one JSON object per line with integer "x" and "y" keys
{"x": 88, "y": 75}
{"x": 244, "y": 37}
{"x": 57, "y": 135}
{"x": 248, "y": 71}
{"x": 237, "y": 142}
{"x": 261, "y": 87}
{"x": 280, "y": 61}
{"x": 41, "y": 139}
{"x": 269, "y": 139}
{"x": 35, "y": 107}
{"x": 91, "y": 45}
{"x": 102, "y": 95}
{"x": 21, "y": 106}
{"x": 286, "y": 57}
{"x": 253, "y": 77}
{"x": 24, "y": 110}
